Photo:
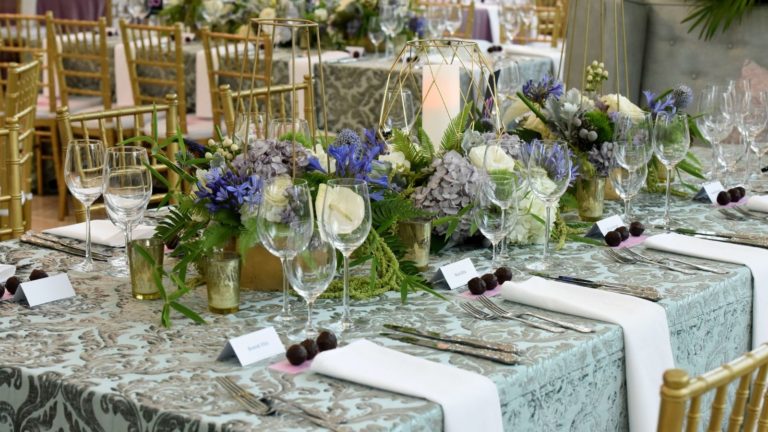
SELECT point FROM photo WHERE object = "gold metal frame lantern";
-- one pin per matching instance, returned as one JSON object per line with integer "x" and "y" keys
{"x": 444, "y": 76}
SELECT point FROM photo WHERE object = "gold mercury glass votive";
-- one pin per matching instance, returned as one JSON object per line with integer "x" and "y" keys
{"x": 143, "y": 285}
{"x": 223, "y": 280}
{"x": 415, "y": 236}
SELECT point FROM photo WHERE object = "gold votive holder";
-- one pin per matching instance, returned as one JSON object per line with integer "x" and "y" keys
{"x": 415, "y": 236}
{"x": 223, "y": 280}
{"x": 143, "y": 285}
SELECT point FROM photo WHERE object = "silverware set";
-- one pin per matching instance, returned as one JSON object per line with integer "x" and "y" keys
{"x": 72, "y": 247}
{"x": 742, "y": 214}
{"x": 265, "y": 406}
{"x": 494, "y": 311}
{"x": 625, "y": 256}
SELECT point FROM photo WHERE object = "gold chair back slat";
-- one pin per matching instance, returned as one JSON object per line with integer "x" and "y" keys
{"x": 22, "y": 39}
{"x": 117, "y": 125}
{"x": 551, "y": 18}
{"x": 156, "y": 49}
{"x": 750, "y": 397}
{"x": 233, "y": 59}
{"x": 79, "y": 51}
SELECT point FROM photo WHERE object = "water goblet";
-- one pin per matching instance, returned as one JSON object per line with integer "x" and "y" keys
{"x": 435, "y": 19}
{"x": 490, "y": 220}
{"x": 401, "y": 112}
{"x": 288, "y": 129}
{"x": 504, "y": 177}
{"x": 345, "y": 219}
{"x": 549, "y": 174}
{"x": 454, "y": 17}
{"x": 310, "y": 272}
{"x": 284, "y": 223}
{"x": 83, "y": 173}
{"x": 713, "y": 121}
{"x": 632, "y": 135}
{"x": 250, "y": 127}
{"x": 392, "y": 22}
{"x": 127, "y": 189}
{"x": 752, "y": 123}
{"x": 671, "y": 140}
{"x": 137, "y": 10}
{"x": 627, "y": 183}
{"x": 375, "y": 34}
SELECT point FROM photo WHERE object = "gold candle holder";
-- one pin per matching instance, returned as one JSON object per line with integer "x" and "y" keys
{"x": 142, "y": 281}
{"x": 223, "y": 280}
{"x": 415, "y": 236}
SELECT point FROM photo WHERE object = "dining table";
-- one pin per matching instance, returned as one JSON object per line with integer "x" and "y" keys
{"x": 101, "y": 360}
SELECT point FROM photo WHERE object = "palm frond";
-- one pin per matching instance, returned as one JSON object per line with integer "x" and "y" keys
{"x": 713, "y": 16}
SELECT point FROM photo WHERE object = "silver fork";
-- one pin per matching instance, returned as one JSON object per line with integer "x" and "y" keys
{"x": 501, "y": 313}
{"x": 679, "y": 261}
{"x": 749, "y": 213}
{"x": 581, "y": 329}
{"x": 618, "y": 256}
{"x": 731, "y": 215}
{"x": 475, "y": 312}
{"x": 259, "y": 407}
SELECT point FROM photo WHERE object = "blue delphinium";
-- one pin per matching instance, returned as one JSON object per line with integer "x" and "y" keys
{"x": 223, "y": 189}
{"x": 356, "y": 158}
{"x": 540, "y": 91}
{"x": 556, "y": 162}
{"x": 656, "y": 106}
{"x": 418, "y": 25}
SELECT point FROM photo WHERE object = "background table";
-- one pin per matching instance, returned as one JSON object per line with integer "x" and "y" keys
{"x": 101, "y": 360}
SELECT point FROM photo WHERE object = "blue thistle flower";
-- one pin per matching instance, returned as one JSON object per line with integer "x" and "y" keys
{"x": 683, "y": 96}
{"x": 540, "y": 91}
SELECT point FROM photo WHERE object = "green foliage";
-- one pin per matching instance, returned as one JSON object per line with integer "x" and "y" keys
{"x": 387, "y": 212}
{"x": 452, "y": 136}
{"x": 601, "y": 124}
{"x": 420, "y": 156}
{"x": 711, "y": 16}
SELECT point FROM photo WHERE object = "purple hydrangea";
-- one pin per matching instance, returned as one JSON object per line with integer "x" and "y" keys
{"x": 268, "y": 159}
{"x": 418, "y": 25}
{"x": 540, "y": 91}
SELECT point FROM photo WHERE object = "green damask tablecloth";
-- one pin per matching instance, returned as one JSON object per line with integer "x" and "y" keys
{"x": 100, "y": 361}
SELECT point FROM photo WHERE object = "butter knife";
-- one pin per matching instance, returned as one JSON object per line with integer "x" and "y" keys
{"x": 60, "y": 247}
{"x": 495, "y": 356}
{"x": 646, "y": 293}
{"x": 461, "y": 340}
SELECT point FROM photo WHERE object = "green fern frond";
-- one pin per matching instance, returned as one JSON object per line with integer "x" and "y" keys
{"x": 452, "y": 136}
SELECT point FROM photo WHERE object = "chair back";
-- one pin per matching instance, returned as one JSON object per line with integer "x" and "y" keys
{"x": 681, "y": 396}
{"x": 127, "y": 123}
{"x": 240, "y": 61}
{"x": 546, "y": 23}
{"x": 12, "y": 224}
{"x": 80, "y": 58}
{"x": 467, "y": 13}
{"x": 275, "y": 101}
{"x": 156, "y": 64}
{"x": 22, "y": 39}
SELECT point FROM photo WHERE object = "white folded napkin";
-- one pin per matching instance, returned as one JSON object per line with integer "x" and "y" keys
{"x": 647, "y": 346}
{"x": 752, "y": 257}
{"x": 6, "y": 271}
{"x": 758, "y": 203}
{"x": 470, "y": 401}
{"x": 103, "y": 232}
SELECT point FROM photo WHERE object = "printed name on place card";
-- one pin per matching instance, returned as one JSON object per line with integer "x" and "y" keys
{"x": 45, "y": 290}
{"x": 253, "y": 347}
{"x": 712, "y": 189}
{"x": 604, "y": 226}
{"x": 457, "y": 274}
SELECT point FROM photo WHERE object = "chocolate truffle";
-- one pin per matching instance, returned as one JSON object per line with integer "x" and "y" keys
{"x": 296, "y": 354}
{"x": 613, "y": 238}
{"x": 326, "y": 341}
{"x": 503, "y": 274}
{"x": 490, "y": 280}
{"x": 476, "y": 286}
{"x": 311, "y": 346}
{"x": 636, "y": 228}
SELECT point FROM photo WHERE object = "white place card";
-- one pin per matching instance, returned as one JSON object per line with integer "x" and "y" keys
{"x": 45, "y": 290}
{"x": 604, "y": 226}
{"x": 6, "y": 271}
{"x": 457, "y": 274}
{"x": 253, "y": 347}
{"x": 711, "y": 189}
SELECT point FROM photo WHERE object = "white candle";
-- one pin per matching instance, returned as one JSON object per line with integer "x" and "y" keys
{"x": 440, "y": 99}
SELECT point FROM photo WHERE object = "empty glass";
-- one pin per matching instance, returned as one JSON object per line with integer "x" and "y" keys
{"x": 435, "y": 20}
{"x": 310, "y": 272}
{"x": 454, "y": 17}
{"x": 752, "y": 123}
{"x": 346, "y": 221}
{"x": 671, "y": 140}
{"x": 714, "y": 121}
{"x": 632, "y": 135}
{"x": 549, "y": 174}
{"x": 285, "y": 223}
{"x": 627, "y": 183}
{"x": 127, "y": 189}
{"x": 286, "y": 129}
{"x": 249, "y": 127}
{"x": 392, "y": 22}
{"x": 83, "y": 173}
{"x": 490, "y": 220}
{"x": 504, "y": 178}
{"x": 401, "y": 111}
{"x": 375, "y": 34}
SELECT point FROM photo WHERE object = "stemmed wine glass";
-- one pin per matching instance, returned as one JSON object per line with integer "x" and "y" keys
{"x": 127, "y": 190}
{"x": 633, "y": 150}
{"x": 454, "y": 17}
{"x": 311, "y": 271}
{"x": 375, "y": 34}
{"x": 490, "y": 220}
{"x": 671, "y": 140}
{"x": 83, "y": 173}
{"x": 138, "y": 10}
{"x": 752, "y": 123}
{"x": 713, "y": 121}
{"x": 512, "y": 20}
{"x": 392, "y": 22}
{"x": 549, "y": 174}
{"x": 285, "y": 223}
{"x": 346, "y": 221}
{"x": 435, "y": 19}
{"x": 249, "y": 127}
{"x": 627, "y": 183}
{"x": 503, "y": 180}
{"x": 401, "y": 111}
{"x": 285, "y": 128}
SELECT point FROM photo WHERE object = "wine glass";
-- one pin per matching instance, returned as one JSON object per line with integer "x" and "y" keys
{"x": 435, "y": 19}
{"x": 627, "y": 183}
{"x": 712, "y": 121}
{"x": 454, "y": 17}
{"x": 346, "y": 221}
{"x": 284, "y": 223}
{"x": 753, "y": 122}
{"x": 83, "y": 173}
{"x": 490, "y": 220}
{"x": 310, "y": 272}
{"x": 137, "y": 9}
{"x": 632, "y": 135}
{"x": 671, "y": 140}
{"x": 288, "y": 129}
{"x": 503, "y": 179}
{"x": 392, "y": 22}
{"x": 512, "y": 20}
{"x": 375, "y": 34}
{"x": 127, "y": 189}
{"x": 401, "y": 111}
{"x": 508, "y": 80}
{"x": 249, "y": 127}
{"x": 549, "y": 174}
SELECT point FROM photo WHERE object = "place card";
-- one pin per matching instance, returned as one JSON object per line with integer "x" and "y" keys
{"x": 709, "y": 191}
{"x": 604, "y": 226}
{"x": 253, "y": 347}
{"x": 45, "y": 290}
{"x": 456, "y": 274}
{"x": 6, "y": 271}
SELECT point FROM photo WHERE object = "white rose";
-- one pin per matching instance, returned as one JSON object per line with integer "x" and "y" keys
{"x": 397, "y": 160}
{"x": 268, "y": 13}
{"x": 343, "y": 5}
{"x": 346, "y": 209}
{"x": 321, "y": 15}
{"x": 527, "y": 229}
{"x": 497, "y": 158}
{"x": 274, "y": 193}
{"x": 621, "y": 104}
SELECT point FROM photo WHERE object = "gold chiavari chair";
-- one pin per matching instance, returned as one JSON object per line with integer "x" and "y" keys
{"x": 127, "y": 123}
{"x": 277, "y": 105}
{"x": 16, "y": 156}
{"x": 80, "y": 58}
{"x": 749, "y": 411}
{"x": 156, "y": 66}
{"x": 235, "y": 60}
{"x": 467, "y": 12}
{"x": 550, "y": 20}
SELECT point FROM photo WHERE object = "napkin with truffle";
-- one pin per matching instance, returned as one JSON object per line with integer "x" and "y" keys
{"x": 103, "y": 232}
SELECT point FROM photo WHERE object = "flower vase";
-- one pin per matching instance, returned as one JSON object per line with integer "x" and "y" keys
{"x": 415, "y": 236}
{"x": 260, "y": 270}
{"x": 610, "y": 192}
{"x": 590, "y": 195}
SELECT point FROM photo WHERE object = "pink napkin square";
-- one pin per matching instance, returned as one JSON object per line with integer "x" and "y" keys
{"x": 286, "y": 367}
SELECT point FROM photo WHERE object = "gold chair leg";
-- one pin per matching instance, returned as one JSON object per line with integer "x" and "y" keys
{"x": 39, "y": 162}
{"x": 58, "y": 165}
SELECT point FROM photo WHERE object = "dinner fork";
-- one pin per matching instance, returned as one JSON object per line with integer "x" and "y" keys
{"x": 749, "y": 213}
{"x": 490, "y": 304}
{"x": 677, "y": 260}
{"x": 731, "y": 215}
{"x": 475, "y": 312}
{"x": 501, "y": 313}
{"x": 620, "y": 257}
{"x": 259, "y": 406}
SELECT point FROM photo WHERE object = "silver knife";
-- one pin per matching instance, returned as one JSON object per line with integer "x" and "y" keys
{"x": 495, "y": 356}
{"x": 461, "y": 340}
{"x": 60, "y": 247}
{"x": 75, "y": 244}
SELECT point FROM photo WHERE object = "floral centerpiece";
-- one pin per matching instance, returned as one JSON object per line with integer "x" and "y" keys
{"x": 229, "y": 16}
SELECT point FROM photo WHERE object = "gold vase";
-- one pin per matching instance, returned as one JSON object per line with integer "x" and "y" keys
{"x": 590, "y": 194}
{"x": 415, "y": 235}
{"x": 223, "y": 282}
{"x": 610, "y": 191}
{"x": 260, "y": 270}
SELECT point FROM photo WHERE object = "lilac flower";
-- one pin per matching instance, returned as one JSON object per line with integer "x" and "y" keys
{"x": 224, "y": 189}
{"x": 657, "y": 106}
{"x": 540, "y": 91}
